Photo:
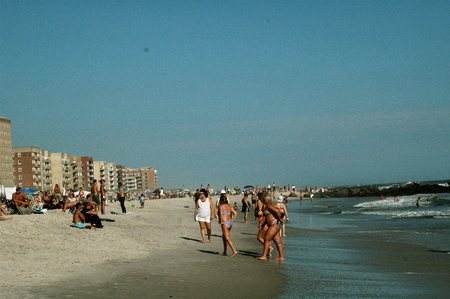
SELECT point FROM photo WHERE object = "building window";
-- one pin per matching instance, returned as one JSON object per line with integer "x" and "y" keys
{"x": 19, "y": 155}
{"x": 19, "y": 162}
{"x": 20, "y": 169}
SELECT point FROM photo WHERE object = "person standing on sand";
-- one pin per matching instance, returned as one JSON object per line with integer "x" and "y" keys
{"x": 102, "y": 196}
{"x": 272, "y": 218}
{"x": 94, "y": 193}
{"x": 226, "y": 218}
{"x": 281, "y": 207}
{"x": 245, "y": 207}
{"x": 121, "y": 195}
{"x": 203, "y": 214}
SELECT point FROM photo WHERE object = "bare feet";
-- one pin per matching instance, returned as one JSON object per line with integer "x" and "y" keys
{"x": 281, "y": 258}
{"x": 223, "y": 254}
{"x": 262, "y": 258}
{"x": 270, "y": 252}
{"x": 234, "y": 253}
{"x": 203, "y": 241}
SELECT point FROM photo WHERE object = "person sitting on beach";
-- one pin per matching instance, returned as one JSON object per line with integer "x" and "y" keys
{"x": 70, "y": 203}
{"x": 79, "y": 219}
{"x": 81, "y": 195}
{"x": 272, "y": 218}
{"x": 3, "y": 212}
{"x": 21, "y": 200}
{"x": 281, "y": 207}
{"x": 226, "y": 217}
{"x": 90, "y": 215}
{"x": 203, "y": 214}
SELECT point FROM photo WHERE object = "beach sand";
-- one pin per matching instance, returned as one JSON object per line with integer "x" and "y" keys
{"x": 153, "y": 252}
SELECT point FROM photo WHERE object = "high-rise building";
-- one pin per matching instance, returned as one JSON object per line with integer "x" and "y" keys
{"x": 6, "y": 161}
{"x": 62, "y": 170}
{"x": 141, "y": 179}
{"x": 46, "y": 170}
{"x": 27, "y": 167}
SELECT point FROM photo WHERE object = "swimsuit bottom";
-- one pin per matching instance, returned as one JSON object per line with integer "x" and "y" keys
{"x": 229, "y": 223}
{"x": 275, "y": 222}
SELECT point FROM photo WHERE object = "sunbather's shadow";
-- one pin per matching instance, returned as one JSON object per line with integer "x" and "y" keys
{"x": 190, "y": 239}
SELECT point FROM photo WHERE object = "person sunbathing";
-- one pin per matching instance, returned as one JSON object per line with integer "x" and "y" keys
{"x": 21, "y": 200}
{"x": 71, "y": 201}
{"x": 3, "y": 212}
{"x": 90, "y": 215}
{"x": 78, "y": 218}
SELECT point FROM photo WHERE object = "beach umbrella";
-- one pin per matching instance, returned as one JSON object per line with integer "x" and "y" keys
{"x": 186, "y": 190}
{"x": 249, "y": 187}
{"x": 124, "y": 189}
{"x": 29, "y": 191}
{"x": 236, "y": 189}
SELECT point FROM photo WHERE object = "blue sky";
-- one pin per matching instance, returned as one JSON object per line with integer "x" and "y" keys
{"x": 317, "y": 93}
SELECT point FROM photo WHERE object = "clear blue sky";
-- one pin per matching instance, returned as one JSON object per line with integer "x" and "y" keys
{"x": 317, "y": 93}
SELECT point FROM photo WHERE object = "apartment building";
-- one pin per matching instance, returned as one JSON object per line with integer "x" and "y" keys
{"x": 27, "y": 167}
{"x": 46, "y": 170}
{"x": 6, "y": 161}
{"x": 61, "y": 170}
{"x": 82, "y": 172}
{"x": 106, "y": 171}
{"x": 142, "y": 179}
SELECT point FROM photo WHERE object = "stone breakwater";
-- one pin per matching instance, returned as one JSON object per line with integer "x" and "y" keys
{"x": 373, "y": 191}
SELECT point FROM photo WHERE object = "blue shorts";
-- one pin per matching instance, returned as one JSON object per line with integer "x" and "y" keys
{"x": 81, "y": 225}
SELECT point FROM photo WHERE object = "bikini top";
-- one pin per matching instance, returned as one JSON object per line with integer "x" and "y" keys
{"x": 225, "y": 213}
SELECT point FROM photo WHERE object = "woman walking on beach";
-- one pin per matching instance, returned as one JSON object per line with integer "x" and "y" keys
{"x": 281, "y": 207}
{"x": 204, "y": 213}
{"x": 226, "y": 218}
{"x": 272, "y": 218}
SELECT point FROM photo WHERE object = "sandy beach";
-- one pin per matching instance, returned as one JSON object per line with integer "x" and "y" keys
{"x": 153, "y": 252}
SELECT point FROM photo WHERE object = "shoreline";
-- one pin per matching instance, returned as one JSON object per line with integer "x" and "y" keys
{"x": 157, "y": 251}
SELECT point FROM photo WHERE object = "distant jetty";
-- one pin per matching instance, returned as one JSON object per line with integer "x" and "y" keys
{"x": 394, "y": 190}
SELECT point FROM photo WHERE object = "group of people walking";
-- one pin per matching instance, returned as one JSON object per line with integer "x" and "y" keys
{"x": 271, "y": 219}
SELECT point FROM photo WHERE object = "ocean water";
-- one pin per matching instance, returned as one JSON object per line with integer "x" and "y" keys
{"x": 347, "y": 247}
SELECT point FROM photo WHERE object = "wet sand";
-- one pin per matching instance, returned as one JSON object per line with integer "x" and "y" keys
{"x": 155, "y": 252}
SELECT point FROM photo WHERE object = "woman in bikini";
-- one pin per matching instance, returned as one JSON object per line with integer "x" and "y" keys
{"x": 226, "y": 218}
{"x": 272, "y": 219}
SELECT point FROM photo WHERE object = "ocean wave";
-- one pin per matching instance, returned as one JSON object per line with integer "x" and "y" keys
{"x": 406, "y": 201}
{"x": 410, "y": 214}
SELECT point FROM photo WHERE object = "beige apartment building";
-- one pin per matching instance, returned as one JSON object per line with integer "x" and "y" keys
{"x": 106, "y": 171}
{"x": 46, "y": 170}
{"x": 6, "y": 161}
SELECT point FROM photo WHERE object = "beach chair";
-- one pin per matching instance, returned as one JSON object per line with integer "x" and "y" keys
{"x": 36, "y": 203}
